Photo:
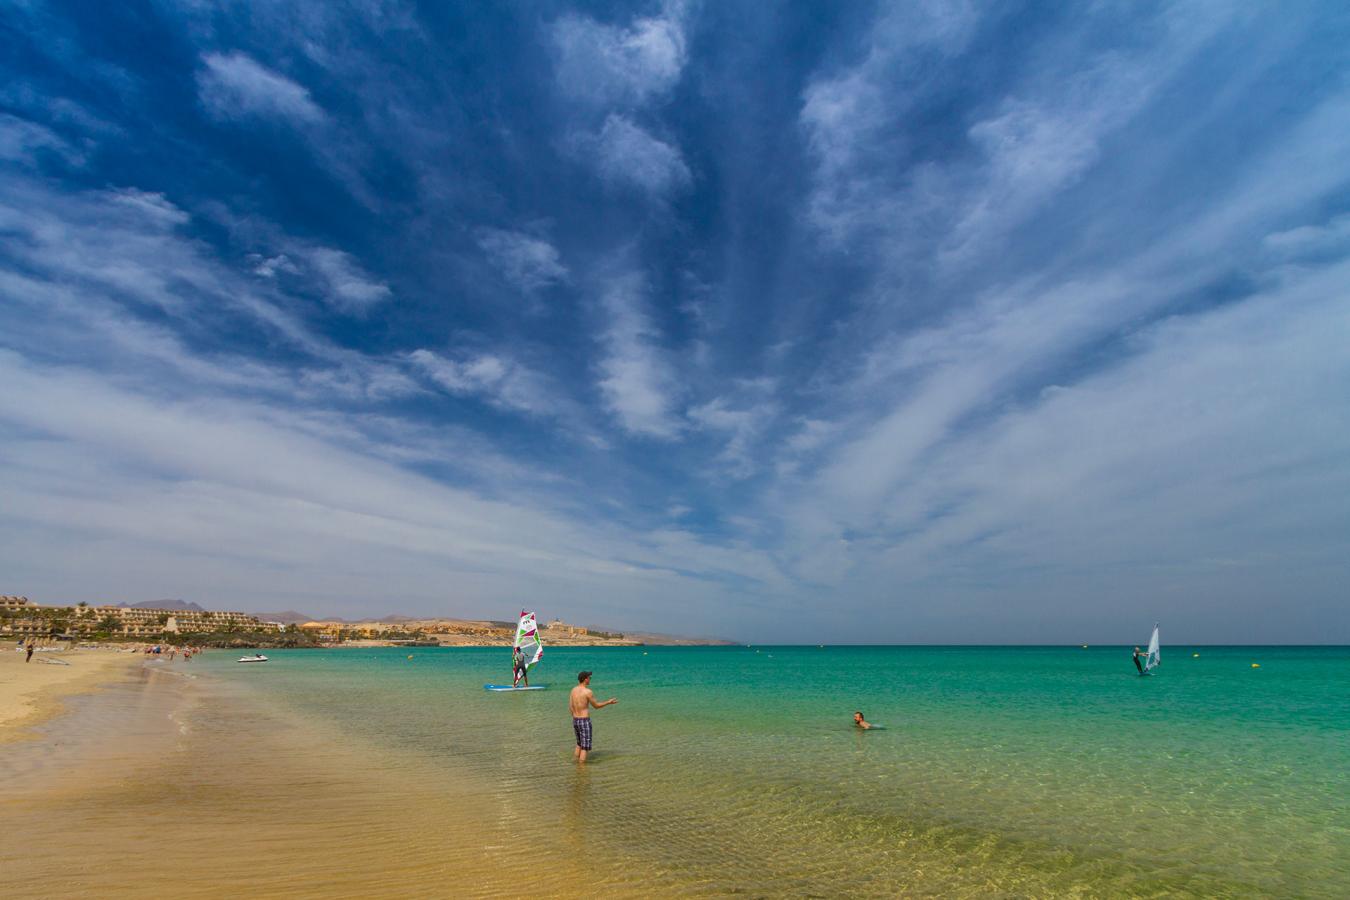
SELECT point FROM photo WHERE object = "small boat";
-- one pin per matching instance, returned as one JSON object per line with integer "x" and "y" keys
{"x": 257, "y": 657}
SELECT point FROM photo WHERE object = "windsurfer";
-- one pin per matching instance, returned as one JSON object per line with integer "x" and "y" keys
{"x": 1138, "y": 663}
{"x": 518, "y": 668}
{"x": 581, "y": 701}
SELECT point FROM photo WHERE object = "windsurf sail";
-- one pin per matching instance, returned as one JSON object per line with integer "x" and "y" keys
{"x": 1154, "y": 656}
{"x": 527, "y": 639}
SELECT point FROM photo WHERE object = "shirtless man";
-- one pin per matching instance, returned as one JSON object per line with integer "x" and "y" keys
{"x": 580, "y": 702}
{"x": 860, "y": 721}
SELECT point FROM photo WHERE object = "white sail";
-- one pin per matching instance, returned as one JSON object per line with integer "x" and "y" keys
{"x": 1154, "y": 656}
{"x": 527, "y": 639}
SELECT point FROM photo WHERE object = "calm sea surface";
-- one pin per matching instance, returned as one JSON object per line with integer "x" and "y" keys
{"x": 1027, "y": 771}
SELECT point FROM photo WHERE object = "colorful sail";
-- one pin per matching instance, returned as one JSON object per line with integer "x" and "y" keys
{"x": 527, "y": 639}
{"x": 1154, "y": 655}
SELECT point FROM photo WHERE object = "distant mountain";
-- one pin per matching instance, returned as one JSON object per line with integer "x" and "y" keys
{"x": 289, "y": 617}
{"x": 164, "y": 604}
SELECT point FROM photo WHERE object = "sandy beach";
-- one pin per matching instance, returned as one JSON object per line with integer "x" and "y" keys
{"x": 33, "y": 691}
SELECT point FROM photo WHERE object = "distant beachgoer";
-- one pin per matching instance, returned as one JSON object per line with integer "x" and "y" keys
{"x": 29, "y": 657}
{"x": 518, "y": 668}
{"x": 581, "y": 701}
{"x": 860, "y": 721}
{"x": 1137, "y": 663}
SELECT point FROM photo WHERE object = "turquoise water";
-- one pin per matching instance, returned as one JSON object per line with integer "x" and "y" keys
{"x": 1028, "y": 771}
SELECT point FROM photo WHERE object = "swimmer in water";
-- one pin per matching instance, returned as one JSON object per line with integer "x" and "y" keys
{"x": 860, "y": 721}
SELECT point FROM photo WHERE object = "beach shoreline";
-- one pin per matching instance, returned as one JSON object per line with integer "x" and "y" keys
{"x": 238, "y": 776}
{"x": 35, "y": 691}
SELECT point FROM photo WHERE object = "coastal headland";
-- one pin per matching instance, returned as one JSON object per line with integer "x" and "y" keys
{"x": 176, "y": 623}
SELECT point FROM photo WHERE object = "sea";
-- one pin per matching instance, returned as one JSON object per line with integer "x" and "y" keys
{"x": 737, "y": 771}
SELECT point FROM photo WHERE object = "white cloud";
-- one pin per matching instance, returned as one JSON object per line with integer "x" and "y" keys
{"x": 151, "y": 206}
{"x": 852, "y": 118}
{"x": 269, "y": 266}
{"x": 626, "y": 156}
{"x": 528, "y": 263}
{"x": 501, "y": 381}
{"x": 233, "y": 86}
{"x": 1311, "y": 240}
{"x": 23, "y": 141}
{"x": 197, "y": 484}
{"x": 1037, "y": 140}
{"x": 349, "y": 288}
{"x": 740, "y": 425}
{"x": 604, "y": 64}
{"x": 93, "y": 262}
{"x": 636, "y": 382}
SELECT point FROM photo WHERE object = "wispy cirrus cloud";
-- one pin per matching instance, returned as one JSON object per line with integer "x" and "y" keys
{"x": 528, "y": 263}
{"x": 23, "y": 141}
{"x": 627, "y": 157}
{"x": 234, "y": 85}
{"x": 348, "y": 287}
{"x": 608, "y": 64}
{"x": 636, "y": 380}
{"x": 499, "y": 380}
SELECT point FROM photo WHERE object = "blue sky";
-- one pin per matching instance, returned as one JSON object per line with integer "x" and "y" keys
{"x": 811, "y": 322}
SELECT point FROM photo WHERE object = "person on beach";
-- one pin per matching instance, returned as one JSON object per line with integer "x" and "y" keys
{"x": 860, "y": 721}
{"x": 518, "y": 668}
{"x": 1138, "y": 664}
{"x": 581, "y": 701}
{"x": 29, "y": 657}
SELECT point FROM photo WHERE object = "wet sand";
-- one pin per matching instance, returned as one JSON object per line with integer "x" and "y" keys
{"x": 33, "y": 691}
{"x": 162, "y": 780}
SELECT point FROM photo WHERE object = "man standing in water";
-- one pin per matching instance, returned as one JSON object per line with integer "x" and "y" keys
{"x": 1137, "y": 664}
{"x": 580, "y": 702}
{"x": 518, "y": 668}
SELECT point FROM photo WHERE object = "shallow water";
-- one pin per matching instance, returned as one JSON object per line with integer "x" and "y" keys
{"x": 1016, "y": 771}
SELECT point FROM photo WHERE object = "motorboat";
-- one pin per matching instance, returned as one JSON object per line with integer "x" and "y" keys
{"x": 257, "y": 657}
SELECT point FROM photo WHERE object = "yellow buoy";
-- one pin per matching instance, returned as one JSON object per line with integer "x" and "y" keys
{"x": 1256, "y": 665}
{"x": 1195, "y": 655}
{"x": 410, "y": 656}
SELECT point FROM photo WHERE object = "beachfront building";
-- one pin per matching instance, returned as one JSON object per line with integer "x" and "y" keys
{"x": 324, "y": 631}
{"x": 20, "y": 617}
{"x": 24, "y": 627}
{"x": 558, "y": 626}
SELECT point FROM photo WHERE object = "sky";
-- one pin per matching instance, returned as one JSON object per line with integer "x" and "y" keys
{"x": 811, "y": 322}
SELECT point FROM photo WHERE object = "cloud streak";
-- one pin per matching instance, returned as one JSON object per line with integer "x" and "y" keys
{"x": 235, "y": 86}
